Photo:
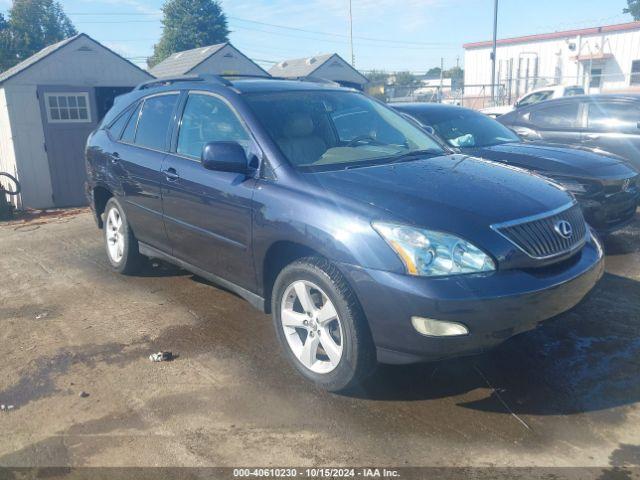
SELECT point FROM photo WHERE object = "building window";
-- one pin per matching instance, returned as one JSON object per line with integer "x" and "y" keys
{"x": 596, "y": 78}
{"x": 635, "y": 72}
{"x": 68, "y": 107}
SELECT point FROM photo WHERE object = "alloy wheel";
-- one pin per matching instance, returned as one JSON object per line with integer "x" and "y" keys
{"x": 312, "y": 326}
{"x": 115, "y": 235}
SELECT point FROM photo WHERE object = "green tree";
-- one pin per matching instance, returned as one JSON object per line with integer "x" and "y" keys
{"x": 377, "y": 76}
{"x": 35, "y": 24}
{"x": 405, "y": 79}
{"x": 633, "y": 7}
{"x": 433, "y": 72}
{"x": 6, "y": 50}
{"x": 189, "y": 24}
{"x": 454, "y": 72}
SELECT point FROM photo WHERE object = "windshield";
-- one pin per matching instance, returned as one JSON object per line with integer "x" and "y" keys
{"x": 468, "y": 129}
{"x": 324, "y": 130}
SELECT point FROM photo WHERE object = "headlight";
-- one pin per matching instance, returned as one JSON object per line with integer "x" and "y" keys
{"x": 433, "y": 254}
{"x": 570, "y": 184}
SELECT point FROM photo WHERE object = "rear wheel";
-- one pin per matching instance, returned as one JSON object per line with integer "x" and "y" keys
{"x": 120, "y": 242}
{"x": 321, "y": 326}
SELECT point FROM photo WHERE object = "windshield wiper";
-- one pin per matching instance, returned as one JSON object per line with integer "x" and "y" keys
{"x": 415, "y": 153}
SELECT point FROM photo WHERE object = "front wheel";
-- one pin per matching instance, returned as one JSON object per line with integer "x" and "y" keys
{"x": 321, "y": 326}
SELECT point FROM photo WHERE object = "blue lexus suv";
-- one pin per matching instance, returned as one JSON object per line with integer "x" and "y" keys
{"x": 366, "y": 238}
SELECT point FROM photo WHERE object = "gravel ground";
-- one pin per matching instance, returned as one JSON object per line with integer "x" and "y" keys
{"x": 566, "y": 394}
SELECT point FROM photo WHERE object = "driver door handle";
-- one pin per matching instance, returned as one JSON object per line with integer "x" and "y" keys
{"x": 171, "y": 174}
{"x": 592, "y": 136}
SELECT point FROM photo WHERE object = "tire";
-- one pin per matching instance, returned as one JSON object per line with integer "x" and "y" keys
{"x": 322, "y": 281}
{"x": 127, "y": 260}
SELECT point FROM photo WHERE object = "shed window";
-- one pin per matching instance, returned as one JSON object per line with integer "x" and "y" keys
{"x": 68, "y": 107}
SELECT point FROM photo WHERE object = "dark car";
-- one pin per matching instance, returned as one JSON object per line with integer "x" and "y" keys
{"x": 607, "y": 188}
{"x": 364, "y": 237}
{"x": 609, "y": 123}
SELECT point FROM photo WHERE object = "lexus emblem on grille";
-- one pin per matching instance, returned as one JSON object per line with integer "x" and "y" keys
{"x": 563, "y": 228}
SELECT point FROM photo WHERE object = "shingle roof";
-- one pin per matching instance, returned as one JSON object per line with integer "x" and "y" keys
{"x": 299, "y": 67}
{"x": 182, "y": 63}
{"x": 36, "y": 57}
{"x": 46, "y": 51}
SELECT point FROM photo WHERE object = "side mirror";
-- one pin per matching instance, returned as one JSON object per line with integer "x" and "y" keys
{"x": 224, "y": 157}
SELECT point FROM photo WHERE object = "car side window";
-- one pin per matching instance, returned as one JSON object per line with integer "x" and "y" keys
{"x": 535, "y": 98}
{"x": 208, "y": 119}
{"x": 614, "y": 116}
{"x": 556, "y": 116}
{"x": 129, "y": 133}
{"x": 573, "y": 91}
{"x": 155, "y": 120}
{"x": 115, "y": 129}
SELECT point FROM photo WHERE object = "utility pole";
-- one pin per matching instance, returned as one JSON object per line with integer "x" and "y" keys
{"x": 353, "y": 57}
{"x": 441, "y": 77}
{"x": 493, "y": 53}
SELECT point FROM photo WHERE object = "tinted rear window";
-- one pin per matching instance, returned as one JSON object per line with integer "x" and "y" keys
{"x": 556, "y": 116}
{"x": 116, "y": 127}
{"x": 130, "y": 132}
{"x": 155, "y": 120}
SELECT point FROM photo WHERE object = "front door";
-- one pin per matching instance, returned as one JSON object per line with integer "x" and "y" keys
{"x": 613, "y": 125}
{"x": 208, "y": 214}
{"x": 557, "y": 122}
{"x": 68, "y": 117}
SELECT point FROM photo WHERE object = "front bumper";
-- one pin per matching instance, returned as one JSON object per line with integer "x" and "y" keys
{"x": 612, "y": 213}
{"x": 494, "y": 307}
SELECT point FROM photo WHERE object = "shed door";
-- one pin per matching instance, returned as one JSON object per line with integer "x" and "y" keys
{"x": 68, "y": 117}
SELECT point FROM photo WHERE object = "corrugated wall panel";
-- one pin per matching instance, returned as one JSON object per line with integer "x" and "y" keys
{"x": 28, "y": 142}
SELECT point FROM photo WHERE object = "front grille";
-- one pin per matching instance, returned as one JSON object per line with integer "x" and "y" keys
{"x": 538, "y": 236}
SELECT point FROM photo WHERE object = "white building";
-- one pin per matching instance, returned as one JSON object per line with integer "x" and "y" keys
{"x": 49, "y": 103}
{"x": 601, "y": 59}
{"x": 221, "y": 59}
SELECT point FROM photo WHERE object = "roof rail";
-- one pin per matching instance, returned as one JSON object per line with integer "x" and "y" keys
{"x": 247, "y": 75}
{"x": 222, "y": 80}
{"x": 317, "y": 80}
{"x": 159, "y": 82}
{"x": 300, "y": 79}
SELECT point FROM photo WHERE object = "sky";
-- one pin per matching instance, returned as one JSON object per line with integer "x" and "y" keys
{"x": 391, "y": 35}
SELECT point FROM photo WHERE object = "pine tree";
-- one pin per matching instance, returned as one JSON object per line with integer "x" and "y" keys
{"x": 189, "y": 24}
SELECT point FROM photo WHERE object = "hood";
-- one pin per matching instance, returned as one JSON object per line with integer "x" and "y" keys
{"x": 554, "y": 159}
{"x": 451, "y": 193}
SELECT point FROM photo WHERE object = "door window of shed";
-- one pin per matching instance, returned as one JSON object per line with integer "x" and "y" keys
{"x": 68, "y": 107}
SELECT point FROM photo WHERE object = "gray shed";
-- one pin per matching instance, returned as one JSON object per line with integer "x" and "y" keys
{"x": 49, "y": 103}
{"x": 221, "y": 59}
{"x": 330, "y": 66}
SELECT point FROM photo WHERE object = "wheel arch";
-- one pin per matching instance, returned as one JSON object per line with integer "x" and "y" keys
{"x": 280, "y": 254}
{"x": 101, "y": 195}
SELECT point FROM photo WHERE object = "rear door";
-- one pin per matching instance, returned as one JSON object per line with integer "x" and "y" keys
{"x": 68, "y": 117}
{"x": 613, "y": 125}
{"x": 557, "y": 121}
{"x": 136, "y": 163}
{"x": 208, "y": 213}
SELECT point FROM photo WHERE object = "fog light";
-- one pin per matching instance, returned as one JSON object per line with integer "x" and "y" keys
{"x": 438, "y": 328}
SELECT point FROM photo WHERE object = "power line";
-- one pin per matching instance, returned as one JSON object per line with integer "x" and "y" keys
{"x": 342, "y": 42}
{"x": 246, "y": 20}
